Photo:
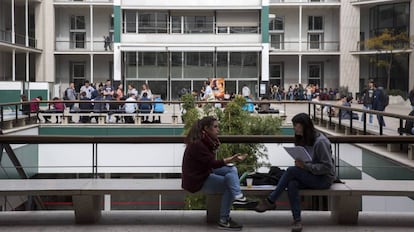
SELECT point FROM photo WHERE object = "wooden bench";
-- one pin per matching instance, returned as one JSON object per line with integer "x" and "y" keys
{"x": 87, "y": 194}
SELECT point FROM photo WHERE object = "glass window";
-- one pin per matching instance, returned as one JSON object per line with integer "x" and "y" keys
{"x": 277, "y": 41}
{"x": 315, "y": 41}
{"x": 152, "y": 65}
{"x": 176, "y": 87}
{"x": 176, "y": 24}
{"x": 198, "y": 24}
{"x": 315, "y": 23}
{"x": 176, "y": 64}
{"x": 275, "y": 70}
{"x": 78, "y": 70}
{"x": 315, "y": 73}
{"x": 385, "y": 16}
{"x": 77, "y": 39}
{"x": 277, "y": 23}
{"x": 198, "y": 65}
{"x": 131, "y": 65}
{"x": 243, "y": 65}
{"x": 130, "y": 22}
{"x": 77, "y": 22}
{"x": 222, "y": 64}
{"x": 159, "y": 88}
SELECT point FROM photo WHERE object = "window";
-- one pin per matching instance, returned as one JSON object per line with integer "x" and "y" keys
{"x": 277, "y": 41}
{"x": 277, "y": 24}
{"x": 176, "y": 24}
{"x": 315, "y": 23}
{"x": 78, "y": 70}
{"x": 276, "y": 73}
{"x": 222, "y": 64}
{"x": 198, "y": 24}
{"x": 315, "y": 40}
{"x": 152, "y": 22}
{"x": 130, "y": 22}
{"x": 315, "y": 73}
{"x": 77, "y": 22}
{"x": 244, "y": 65}
{"x": 77, "y": 31}
{"x": 198, "y": 64}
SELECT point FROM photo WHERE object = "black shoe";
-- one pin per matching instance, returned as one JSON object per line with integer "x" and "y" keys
{"x": 244, "y": 203}
{"x": 297, "y": 226}
{"x": 265, "y": 205}
{"x": 229, "y": 224}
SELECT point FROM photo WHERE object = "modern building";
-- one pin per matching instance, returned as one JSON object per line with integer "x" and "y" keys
{"x": 178, "y": 44}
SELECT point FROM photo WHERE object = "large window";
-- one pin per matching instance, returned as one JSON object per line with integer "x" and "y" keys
{"x": 391, "y": 16}
{"x": 315, "y": 32}
{"x": 315, "y": 40}
{"x": 277, "y": 24}
{"x": 222, "y": 69}
{"x": 276, "y": 74}
{"x": 198, "y": 24}
{"x": 77, "y": 31}
{"x": 198, "y": 65}
{"x": 244, "y": 65}
{"x": 277, "y": 41}
{"x": 146, "y": 65}
{"x": 152, "y": 22}
{"x": 277, "y": 33}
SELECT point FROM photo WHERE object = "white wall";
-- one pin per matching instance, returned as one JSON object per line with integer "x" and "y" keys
{"x": 330, "y": 23}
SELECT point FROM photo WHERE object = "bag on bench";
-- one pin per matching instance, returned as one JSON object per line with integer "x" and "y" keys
{"x": 270, "y": 178}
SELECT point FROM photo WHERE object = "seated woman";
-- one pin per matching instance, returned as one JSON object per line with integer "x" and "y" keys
{"x": 346, "y": 114}
{"x": 316, "y": 174}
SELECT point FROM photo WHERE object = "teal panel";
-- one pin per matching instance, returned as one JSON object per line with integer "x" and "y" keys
{"x": 42, "y": 92}
{"x": 117, "y": 24}
{"x": 7, "y": 96}
{"x": 265, "y": 24}
{"x": 384, "y": 169}
{"x": 347, "y": 171}
{"x": 110, "y": 131}
{"x": 28, "y": 157}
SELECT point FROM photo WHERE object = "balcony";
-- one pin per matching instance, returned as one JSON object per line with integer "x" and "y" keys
{"x": 82, "y": 46}
{"x": 83, "y": 1}
{"x": 6, "y": 36}
{"x": 305, "y": 46}
{"x": 304, "y": 1}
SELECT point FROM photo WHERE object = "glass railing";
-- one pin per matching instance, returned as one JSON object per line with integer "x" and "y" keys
{"x": 6, "y": 36}
{"x": 83, "y": 45}
{"x": 304, "y": 1}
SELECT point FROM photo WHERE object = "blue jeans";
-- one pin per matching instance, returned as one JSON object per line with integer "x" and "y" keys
{"x": 223, "y": 180}
{"x": 296, "y": 178}
{"x": 380, "y": 120}
{"x": 367, "y": 107}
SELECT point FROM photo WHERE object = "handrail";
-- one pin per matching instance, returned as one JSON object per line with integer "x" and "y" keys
{"x": 64, "y": 139}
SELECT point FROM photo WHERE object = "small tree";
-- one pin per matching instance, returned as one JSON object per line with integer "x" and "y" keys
{"x": 388, "y": 43}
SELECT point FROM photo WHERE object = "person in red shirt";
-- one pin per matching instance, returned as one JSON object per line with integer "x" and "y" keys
{"x": 201, "y": 171}
{"x": 55, "y": 107}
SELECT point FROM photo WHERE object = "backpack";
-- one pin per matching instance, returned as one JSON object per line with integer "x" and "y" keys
{"x": 65, "y": 94}
{"x": 386, "y": 99}
{"x": 270, "y": 178}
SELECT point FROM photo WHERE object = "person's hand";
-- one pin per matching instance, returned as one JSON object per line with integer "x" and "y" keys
{"x": 240, "y": 157}
{"x": 299, "y": 163}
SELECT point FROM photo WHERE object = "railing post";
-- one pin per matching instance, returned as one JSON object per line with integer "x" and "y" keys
{"x": 94, "y": 160}
{"x": 365, "y": 122}
{"x": 309, "y": 109}
{"x": 2, "y": 117}
{"x": 350, "y": 123}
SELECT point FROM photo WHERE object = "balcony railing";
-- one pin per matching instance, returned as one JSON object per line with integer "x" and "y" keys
{"x": 84, "y": 46}
{"x": 6, "y": 36}
{"x": 304, "y": 1}
{"x": 87, "y": 1}
{"x": 293, "y": 46}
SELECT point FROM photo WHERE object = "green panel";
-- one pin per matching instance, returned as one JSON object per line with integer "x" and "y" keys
{"x": 28, "y": 157}
{"x": 265, "y": 24}
{"x": 117, "y": 24}
{"x": 384, "y": 169}
{"x": 7, "y": 96}
{"x": 347, "y": 171}
{"x": 110, "y": 131}
{"x": 35, "y": 93}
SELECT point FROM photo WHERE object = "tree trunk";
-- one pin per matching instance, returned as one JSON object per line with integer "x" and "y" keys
{"x": 389, "y": 72}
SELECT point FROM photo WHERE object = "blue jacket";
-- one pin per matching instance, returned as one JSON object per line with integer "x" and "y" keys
{"x": 158, "y": 105}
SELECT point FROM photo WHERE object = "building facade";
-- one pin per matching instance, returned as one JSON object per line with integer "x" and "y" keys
{"x": 178, "y": 44}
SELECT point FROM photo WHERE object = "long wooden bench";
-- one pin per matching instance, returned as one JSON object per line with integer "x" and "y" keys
{"x": 87, "y": 194}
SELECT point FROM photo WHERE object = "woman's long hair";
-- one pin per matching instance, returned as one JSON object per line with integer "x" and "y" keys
{"x": 309, "y": 132}
{"x": 195, "y": 133}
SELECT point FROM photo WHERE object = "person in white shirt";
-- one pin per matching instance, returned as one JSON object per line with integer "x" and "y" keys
{"x": 87, "y": 89}
{"x": 130, "y": 107}
{"x": 208, "y": 91}
{"x": 245, "y": 91}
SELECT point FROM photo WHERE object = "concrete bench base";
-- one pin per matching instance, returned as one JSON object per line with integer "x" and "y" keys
{"x": 87, "y": 194}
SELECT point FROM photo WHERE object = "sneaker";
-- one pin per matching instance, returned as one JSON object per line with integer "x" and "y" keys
{"x": 264, "y": 205}
{"x": 297, "y": 226}
{"x": 229, "y": 224}
{"x": 245, "y": 203}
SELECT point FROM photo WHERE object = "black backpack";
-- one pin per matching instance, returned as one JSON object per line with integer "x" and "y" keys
{"x": 270, "y": 178}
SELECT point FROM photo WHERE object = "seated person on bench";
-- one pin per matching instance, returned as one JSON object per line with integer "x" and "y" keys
{"x": 55, "y": 107}
{"x": 158, "y": 109}
{"x": 409, "y": 126}
{"x": 264, "y": 107}
{"x": 145, "y": 108}
{"x": 85, "y": 106}
{"x": 130, "y": 107}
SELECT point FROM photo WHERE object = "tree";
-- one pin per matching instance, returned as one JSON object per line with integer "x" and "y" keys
{"x": 388, "y": 44}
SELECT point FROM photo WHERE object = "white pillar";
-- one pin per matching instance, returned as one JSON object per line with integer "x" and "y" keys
{"x": 117, "y": 62}
{"x": 300, "y": 34}
{"x": 265, "y": 62}
{"x": 27, "y": 67}
{"x": 13, "y": 29}
{"x": 26, "y": 16}
{"x": 13, "y": 65}
{"x": 300, "y": 69}
{"x": 92, "y": 67}
{"x": 91, "y": 25}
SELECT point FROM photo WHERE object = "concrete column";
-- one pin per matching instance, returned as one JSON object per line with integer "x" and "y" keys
{"x": 14, "y": 64}
{"x": 349, "y": 36}
{"x": 26, "y": 16}
{"x": 91, "y": 25}
{"x": 411, "y": 58}
{"x": 117, "y": 41}
{"x": 13, "y": 35}
{"x": 92, "y": 67}
{"x": 300, "y": 34}
{"x": 300, "y": 68}
{"x": 27, "y": 67}
{"x": 265, "y": 40}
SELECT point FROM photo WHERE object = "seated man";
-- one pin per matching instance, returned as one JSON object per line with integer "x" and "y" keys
{"x": 264, "y": 108}
{"x": 158, "y": 109}
{"x": 55, "y": 107}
